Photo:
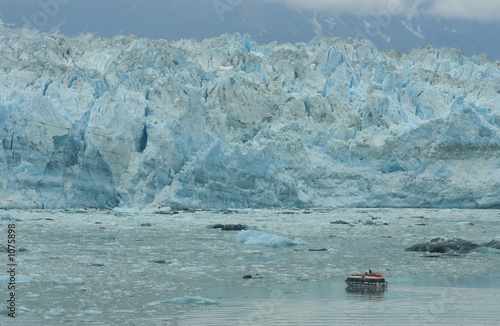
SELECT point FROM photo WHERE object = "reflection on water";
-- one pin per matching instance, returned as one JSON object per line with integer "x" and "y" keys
{"x": 366, "y": 291}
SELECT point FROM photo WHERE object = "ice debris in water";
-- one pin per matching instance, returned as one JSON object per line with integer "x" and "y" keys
{"x": 442, "y": 245}
{"x": 68, "y": 281}
{"x": 19, "y": 279}
{"x": 56, "y": 312}
{"x": 487, "y": 250}
{"x": 191, "y": 300}
{"x": 258, "y": 238}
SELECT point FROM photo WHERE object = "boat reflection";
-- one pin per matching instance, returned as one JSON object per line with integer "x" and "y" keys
{"x": 366, "y": 291}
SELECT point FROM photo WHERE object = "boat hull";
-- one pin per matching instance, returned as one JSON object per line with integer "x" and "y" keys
{"x": 366, "y": 280}
{"x": 367, "y": 285}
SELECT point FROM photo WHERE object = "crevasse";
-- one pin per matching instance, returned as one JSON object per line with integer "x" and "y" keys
{"x": 227, "y": 122}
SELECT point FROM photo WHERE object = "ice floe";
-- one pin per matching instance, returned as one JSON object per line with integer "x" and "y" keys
{"x": 253, "y": 237}
{"x": 191, "y": 300}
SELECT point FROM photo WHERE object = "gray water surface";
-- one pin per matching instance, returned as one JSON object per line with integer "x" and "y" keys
{"x": 420, "y": 301}
{"x": 131, "y": 268}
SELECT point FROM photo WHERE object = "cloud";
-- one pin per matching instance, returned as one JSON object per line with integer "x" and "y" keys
{"x": 481, "y": 10}
{"x": 359, "y": 7}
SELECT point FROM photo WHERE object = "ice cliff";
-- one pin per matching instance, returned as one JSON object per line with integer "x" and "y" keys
{"x": 227, "y": 122}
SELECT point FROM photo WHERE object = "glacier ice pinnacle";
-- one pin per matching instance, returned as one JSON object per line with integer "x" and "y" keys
{"x": 226, "y": 122}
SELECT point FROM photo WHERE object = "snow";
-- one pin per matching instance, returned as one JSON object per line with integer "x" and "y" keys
{"x": 226, "y": 122}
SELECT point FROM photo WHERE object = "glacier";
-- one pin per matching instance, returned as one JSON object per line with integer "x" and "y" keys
{"x": 226, "y": 122}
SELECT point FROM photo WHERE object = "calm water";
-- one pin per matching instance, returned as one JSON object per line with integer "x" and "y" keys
{"x": 406, "y": 302}
{"x": 126, "y": 268}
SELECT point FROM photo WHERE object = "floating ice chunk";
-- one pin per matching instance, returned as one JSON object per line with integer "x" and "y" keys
{"x": 486, "y": 250}
{"x": 191, "y": 300}
{"x": 196, "y": 270}
{"x": 259, "y": 238}
{"x": 155, "y": 209}
{"x": 174, "y": 262}
{"x": 164, "y": 210}
{"x": 56, "y": 312}
{"x": 125, "y": 209}
{"x": 19, "y": 279}
{"x": 299, "y": 241}
{"x": 69, "y": 281}
{"x": 465, "y": 223}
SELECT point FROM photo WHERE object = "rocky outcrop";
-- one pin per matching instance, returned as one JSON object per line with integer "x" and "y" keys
{"x": 492, "y": 244}
{"x": 229, "y": 227}
{"x": 440, "y": 245}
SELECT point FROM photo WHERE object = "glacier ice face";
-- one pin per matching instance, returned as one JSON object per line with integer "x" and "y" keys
{"x": 227, "y": 122}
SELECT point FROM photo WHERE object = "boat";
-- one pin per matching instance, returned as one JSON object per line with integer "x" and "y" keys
{"x": 367, "y": 280}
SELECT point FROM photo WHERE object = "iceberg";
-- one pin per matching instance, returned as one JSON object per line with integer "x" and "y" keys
{"x": 56, "y": 312}
{"x": 69, "y": 281}
{"x": 191, "y": 300}
{"x": 19, "y": 279}
{"x": 226, "y": 122}
{"x": 263, "y": 239}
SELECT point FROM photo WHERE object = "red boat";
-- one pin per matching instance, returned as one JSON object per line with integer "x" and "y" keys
{"x": 368, "y": 280}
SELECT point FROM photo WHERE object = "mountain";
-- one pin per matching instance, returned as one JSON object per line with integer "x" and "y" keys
{"x": 226, "y": 122}
{"x": 264, "y": 21}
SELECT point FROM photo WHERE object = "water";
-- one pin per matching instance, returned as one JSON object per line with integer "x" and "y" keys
{"x": 118, "y": 268}
{"x": 405, "y": 302}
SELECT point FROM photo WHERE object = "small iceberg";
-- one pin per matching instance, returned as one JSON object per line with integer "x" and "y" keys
{"x": 190, "y": 300}
{"x": 18, "y": 279}
{"x": 263, "y": 239}
{"x": 56, "y": 312}
{"x": 126, "y": 210}
{"x": 68, "y": 281}
{"x": 487, "y": 250}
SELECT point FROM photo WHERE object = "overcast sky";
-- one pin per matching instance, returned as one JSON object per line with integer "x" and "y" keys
{"x": 471, "y": 25}
{"x": 480, "y": 10}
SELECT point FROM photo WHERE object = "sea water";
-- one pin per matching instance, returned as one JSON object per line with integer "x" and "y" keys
{"x": 127, "y": 267}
